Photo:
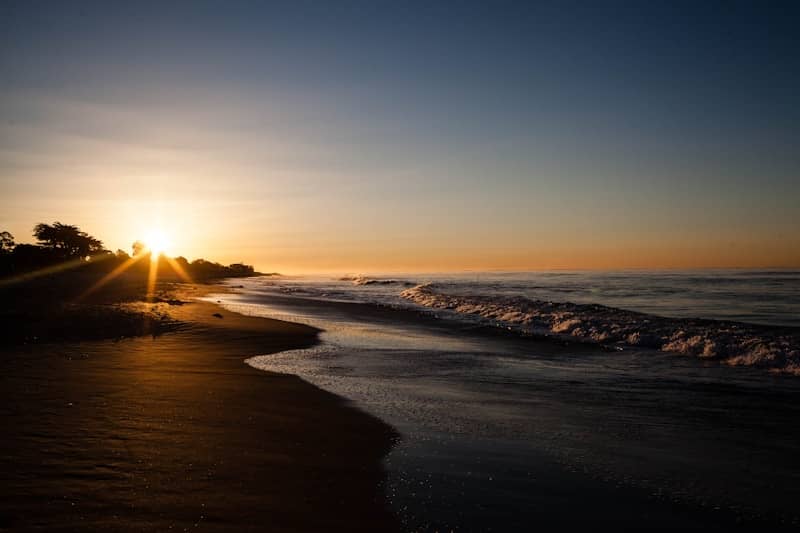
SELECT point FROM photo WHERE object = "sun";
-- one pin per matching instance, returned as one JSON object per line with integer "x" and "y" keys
{"x": 157, "y": 242}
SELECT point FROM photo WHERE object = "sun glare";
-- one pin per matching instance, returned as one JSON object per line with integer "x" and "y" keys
{"x": 157, "y": 242}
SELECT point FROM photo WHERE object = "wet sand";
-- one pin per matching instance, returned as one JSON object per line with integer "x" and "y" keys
{"x": 177, "y": 433}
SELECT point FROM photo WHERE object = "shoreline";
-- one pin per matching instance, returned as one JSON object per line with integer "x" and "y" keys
{"x": 177, "y": 431}
{"x": 680, "y": 442}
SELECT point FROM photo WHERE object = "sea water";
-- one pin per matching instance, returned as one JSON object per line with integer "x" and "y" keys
{"x": 502, "y": 428}
{"x": 769, "y": 297}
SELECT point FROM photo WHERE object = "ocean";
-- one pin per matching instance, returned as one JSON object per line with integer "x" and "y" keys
{"x": 659, "y": 398}
{"x": 769, "y": 297}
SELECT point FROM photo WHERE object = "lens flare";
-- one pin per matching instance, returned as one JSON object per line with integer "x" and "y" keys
{"x": 157, "y": 242}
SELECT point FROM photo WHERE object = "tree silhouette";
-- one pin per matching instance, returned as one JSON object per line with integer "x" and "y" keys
{"x": 138, "y": 247}
{"x": 67, "y": 246}
{"x": 66, "y": 240}
{"x": 6, "y": 242}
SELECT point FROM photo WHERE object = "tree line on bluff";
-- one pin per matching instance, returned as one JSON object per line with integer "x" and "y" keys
{"x": 61, "y": 244}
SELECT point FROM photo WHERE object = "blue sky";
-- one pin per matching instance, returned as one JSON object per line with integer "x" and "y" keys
{"x": 428, "y": 135}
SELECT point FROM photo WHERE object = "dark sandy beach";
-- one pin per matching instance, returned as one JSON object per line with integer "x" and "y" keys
{"x": 175, "y": 432}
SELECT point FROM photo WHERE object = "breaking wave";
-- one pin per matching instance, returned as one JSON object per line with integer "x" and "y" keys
{"x": 363, "y": 280}
{"x": 732, "y": 342}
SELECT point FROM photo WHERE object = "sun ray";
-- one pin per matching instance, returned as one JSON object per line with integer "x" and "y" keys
{"x": 178, "y": 269}
{"x": 111, "y": 275}
{"x": 152, "y": 276}
{"x": 46, "y": 271}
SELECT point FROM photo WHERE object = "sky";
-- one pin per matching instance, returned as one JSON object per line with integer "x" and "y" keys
{"x": 402, "y": 136}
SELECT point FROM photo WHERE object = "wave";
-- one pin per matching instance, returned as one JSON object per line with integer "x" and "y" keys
{"x": 363, "y": 280}
{"x": 734, "y": 343}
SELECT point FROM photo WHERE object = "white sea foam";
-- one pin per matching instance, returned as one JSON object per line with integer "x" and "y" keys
{"x": 735, "y": 343}
{"x": 364, "y": 280}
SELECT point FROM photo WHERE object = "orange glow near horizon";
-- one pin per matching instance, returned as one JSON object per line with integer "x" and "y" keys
{"x": 576, "y": 256}
{"x": 323, "y": 241}
{"x": 320, "y": 228}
